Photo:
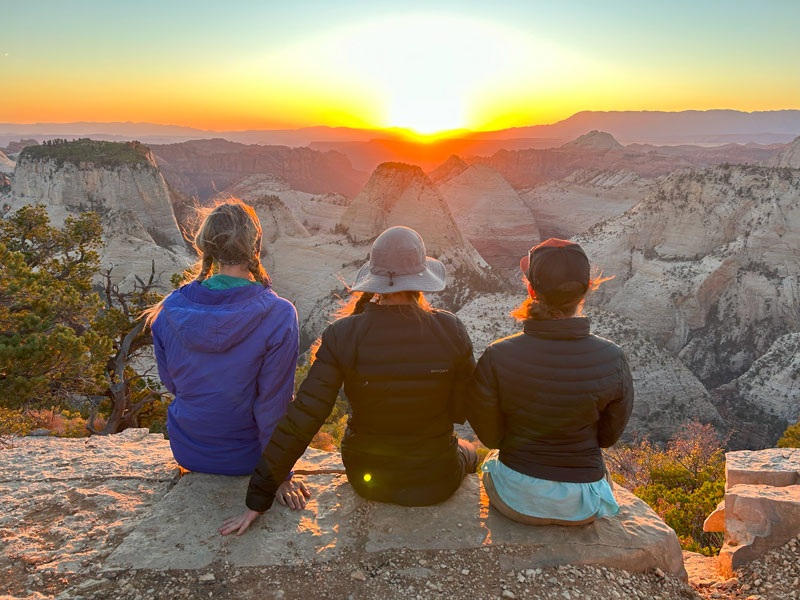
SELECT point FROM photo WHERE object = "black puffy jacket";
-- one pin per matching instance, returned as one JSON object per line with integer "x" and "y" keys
{"x": 550, "y": 398}
{"x": 405, "y": 374}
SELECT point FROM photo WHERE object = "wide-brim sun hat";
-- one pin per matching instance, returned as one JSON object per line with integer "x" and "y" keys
{"x": 398, "y": 263}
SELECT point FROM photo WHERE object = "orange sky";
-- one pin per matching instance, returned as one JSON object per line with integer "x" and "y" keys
{"x": 251, "y": 66}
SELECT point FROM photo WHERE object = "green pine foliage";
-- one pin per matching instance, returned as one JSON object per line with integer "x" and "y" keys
{"x": 63, "y": 345}
{"x": 790, "y": 437}
{"x": 49, "y": 349}
{"x": 85, "y": 150}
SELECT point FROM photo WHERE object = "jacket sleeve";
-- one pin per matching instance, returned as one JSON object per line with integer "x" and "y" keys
{"x": 276, "y": 379}
{"x": 483, "y": 403}
{"x": 303, "y": 418}
{"x": 614, "y": 417}
{"x": 464, "y": 367}
{"x": 161, "y": 358}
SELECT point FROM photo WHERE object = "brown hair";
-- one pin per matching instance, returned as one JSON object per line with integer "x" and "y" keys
{"x": 229, "y": 233}
{"x": 538, "y": 308}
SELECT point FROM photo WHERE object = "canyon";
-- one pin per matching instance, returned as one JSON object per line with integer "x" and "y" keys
{"x": 704, "y": 256}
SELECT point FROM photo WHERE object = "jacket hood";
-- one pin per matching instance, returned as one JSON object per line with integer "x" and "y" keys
{"x": 215, "y": 320}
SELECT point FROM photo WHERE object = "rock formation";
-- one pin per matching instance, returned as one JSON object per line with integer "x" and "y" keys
{"x": 707, "y": 265}
{"x": 6, "y": 164}
{"x": 790, "y": 157}
{"x": 761, "y": 509}
{"x": 667, "y": 394}
{"x": 318, "y": 213}
{"x": 569, "y": 206}
{"x": 762, "y": 402}
{"x": 203, "y": 167}
{"x": 118, "y": 181}
{"x": 530, "y": 167}
{"x": 773, "y": 381}
{"x": 453, "y": 166}
{"x": 400, "y": 194}
{"x": 599, "y": 140}
{"x": 489, "y": 213}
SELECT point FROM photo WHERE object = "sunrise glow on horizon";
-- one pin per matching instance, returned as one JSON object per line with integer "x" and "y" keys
{"x": 256, "y": 66}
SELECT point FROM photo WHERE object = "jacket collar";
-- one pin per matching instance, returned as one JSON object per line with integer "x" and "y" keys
{"x": 558, "y": 329}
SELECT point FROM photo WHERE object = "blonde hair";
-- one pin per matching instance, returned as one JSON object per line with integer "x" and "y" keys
{"x": 537, "y": 307}
{"x": 229, "y": 233}
{"x": 357, "y": 301}
{"x": 355, "y": 304}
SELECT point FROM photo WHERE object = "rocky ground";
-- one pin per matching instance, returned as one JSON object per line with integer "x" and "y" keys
{"x": 775, "y": 576}
{"x": 79, "y": 515}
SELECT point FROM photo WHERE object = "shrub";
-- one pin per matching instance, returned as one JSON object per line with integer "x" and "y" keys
{"x": 791, "y": 437}
{"x": 60, "y": 342}
{"x": 683, "y": 482}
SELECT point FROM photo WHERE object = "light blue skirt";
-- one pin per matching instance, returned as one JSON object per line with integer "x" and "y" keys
{"x": 547, "y": 499}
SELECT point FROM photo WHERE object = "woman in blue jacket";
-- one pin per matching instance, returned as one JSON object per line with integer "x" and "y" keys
{"x": 226, "y": 347}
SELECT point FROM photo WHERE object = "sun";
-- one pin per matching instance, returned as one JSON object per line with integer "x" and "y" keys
{"x": 421, "y": 72}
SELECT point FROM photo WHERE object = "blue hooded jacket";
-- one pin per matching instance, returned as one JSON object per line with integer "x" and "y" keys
{"x": 229, "y": 357}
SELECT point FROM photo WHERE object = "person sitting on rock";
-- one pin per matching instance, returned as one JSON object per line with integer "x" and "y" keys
{"x": 226, "y": 347}
{"x": 550, "y": 398}
{"x": 404, "y": 366}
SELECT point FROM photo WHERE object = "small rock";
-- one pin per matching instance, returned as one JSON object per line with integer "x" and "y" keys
{"x": 358, "y": 575}
{"x": 659, "y": 572}
{"x": 509, "y": 594}
{"x": 206, "y": 578}
{"x": 465, "y": 571}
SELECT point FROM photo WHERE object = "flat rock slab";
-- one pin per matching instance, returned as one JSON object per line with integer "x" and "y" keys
{"x": 67, "y": 502}
{"x": 181, "y": 532}
{"x": 134, "y": 453}
{"x": 774, "y": 466}
{"x": 758, "y": 518}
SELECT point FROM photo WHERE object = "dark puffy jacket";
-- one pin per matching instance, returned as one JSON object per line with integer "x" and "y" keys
{"x": 550, "y": 398}
{"x": 404, "y": 374}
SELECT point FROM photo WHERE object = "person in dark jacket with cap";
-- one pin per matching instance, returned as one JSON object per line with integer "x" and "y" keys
{"x": 549, "y": 398}
{"x": 404, "y": 367}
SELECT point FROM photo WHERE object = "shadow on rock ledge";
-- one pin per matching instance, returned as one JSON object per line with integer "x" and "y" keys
{"x": 181, "y": 531}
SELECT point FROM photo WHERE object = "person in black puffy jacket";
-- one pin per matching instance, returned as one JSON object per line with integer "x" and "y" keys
{"x": 404, "y": 366}
{"x": 549, "y": 398}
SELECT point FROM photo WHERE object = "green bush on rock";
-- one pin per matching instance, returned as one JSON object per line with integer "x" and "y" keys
{"x": 683, "y": 482}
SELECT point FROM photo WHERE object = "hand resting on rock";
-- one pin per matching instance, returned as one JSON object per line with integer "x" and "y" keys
{"x": 290, "y": 493}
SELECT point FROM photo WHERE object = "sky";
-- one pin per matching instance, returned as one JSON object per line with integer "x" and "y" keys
{"x": 428, "y": 66}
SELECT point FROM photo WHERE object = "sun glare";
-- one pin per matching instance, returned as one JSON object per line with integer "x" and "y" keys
{"x": 425, "y": 73}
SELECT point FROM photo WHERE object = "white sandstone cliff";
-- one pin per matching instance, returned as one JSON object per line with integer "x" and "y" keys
{"x": 400, "y": 194}
{"x": 709, "y": 265}
{"x": 569, "y": 206}
{"x": 132, "y": 201}
{"x": 490, "y": 214}
{"x": 6, "y": 164}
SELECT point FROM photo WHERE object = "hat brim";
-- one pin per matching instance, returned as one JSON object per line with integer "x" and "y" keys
{"x": 432, "y": 279}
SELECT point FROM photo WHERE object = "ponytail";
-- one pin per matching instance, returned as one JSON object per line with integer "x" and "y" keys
{"x": 205, "y": 267}
{"x": 258, "y": 271}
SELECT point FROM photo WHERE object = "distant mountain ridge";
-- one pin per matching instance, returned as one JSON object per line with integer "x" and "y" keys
{"x": 688, "y": 126}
